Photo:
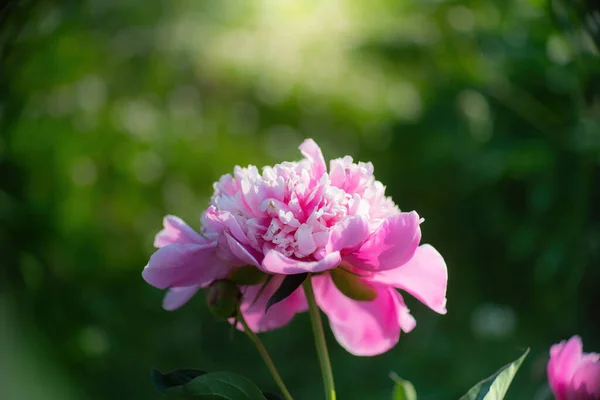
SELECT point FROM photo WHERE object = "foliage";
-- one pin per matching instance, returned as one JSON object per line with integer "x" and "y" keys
{"x": 496, "y": 386}
{"x": 403, "y": 389}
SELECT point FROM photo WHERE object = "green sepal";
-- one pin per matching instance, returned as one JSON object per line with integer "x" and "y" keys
{"x": 352, "y": 285}
{"x": 247, "y": 275}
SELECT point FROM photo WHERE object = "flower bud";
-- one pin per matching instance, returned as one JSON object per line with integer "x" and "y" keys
{"x": 223, "y": 298}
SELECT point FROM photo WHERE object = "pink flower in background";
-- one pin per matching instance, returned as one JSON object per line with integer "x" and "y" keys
{"x": 296, "y": 217}
{"x": 573, "y": 374}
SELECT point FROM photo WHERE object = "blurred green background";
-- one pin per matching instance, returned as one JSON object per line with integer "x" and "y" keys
{"x": 481, "y": 115}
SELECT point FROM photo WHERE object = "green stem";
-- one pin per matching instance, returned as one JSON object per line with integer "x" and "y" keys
{"x": 317, "y": 326}
{"x": 265, "y": 356}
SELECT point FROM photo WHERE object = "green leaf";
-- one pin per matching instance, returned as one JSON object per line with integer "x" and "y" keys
{"x": 247, "y": 275}
{"x": 352, "y": 285}
{"x": 403, "y": 390}
{"x": 496, "y": 386}
{"x": 218, "y": 386}
{"x": 287, "y": 287}
{"x": 174, "y": 378}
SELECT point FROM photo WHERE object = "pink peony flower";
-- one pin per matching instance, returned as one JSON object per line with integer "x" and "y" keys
{"x": 572, "y": 374}
{"x": 295, "y": 218}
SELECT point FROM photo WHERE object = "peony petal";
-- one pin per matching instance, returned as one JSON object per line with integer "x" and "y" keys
{"x": 390, "y": 246}
{"x": 177, "y": 231}
{"x": 405, "y": 319}
{"x": 363, "y": 328}
{"x": 178, "y": 296}
{"x": 305, "y": 240}
{"x": 280, "y": 314}
{"x": 311, "y": 150}
{"x": 241, "y": 252}
{"x": 227, "y": 221}
{"x": 425, "y": 276}
{"x": 348, "y": 234}
{"x": 210, "y": 220}
{"x": 276, "y": 263}
{"x": 184, "y": 265}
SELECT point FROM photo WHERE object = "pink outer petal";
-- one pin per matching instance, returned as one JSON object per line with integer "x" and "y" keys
{"x": 406, "y": 321}
{"x": 425, "y": 276}
{"x": 363, "y": 328}
{"x": 348, "y": 234}
{"x": 184, "y": 265}
{"x": 390, "y": 246}
{"x": 310, "y": 149}
{"x": 176, "y": 231}
{"x": 564, "y": 360}
{"x": 276, "y": 263}
{"x": 178, "y": 296}
{"x": 278, "y": 315}
{"x": 242, "y": 253}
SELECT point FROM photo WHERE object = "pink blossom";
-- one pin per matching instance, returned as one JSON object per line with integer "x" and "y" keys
{"x": 573, "y": 374}
{"x": 297, "y": 217}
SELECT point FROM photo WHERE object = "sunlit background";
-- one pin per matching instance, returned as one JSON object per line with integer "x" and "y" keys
{"x": 484, "y": 116}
